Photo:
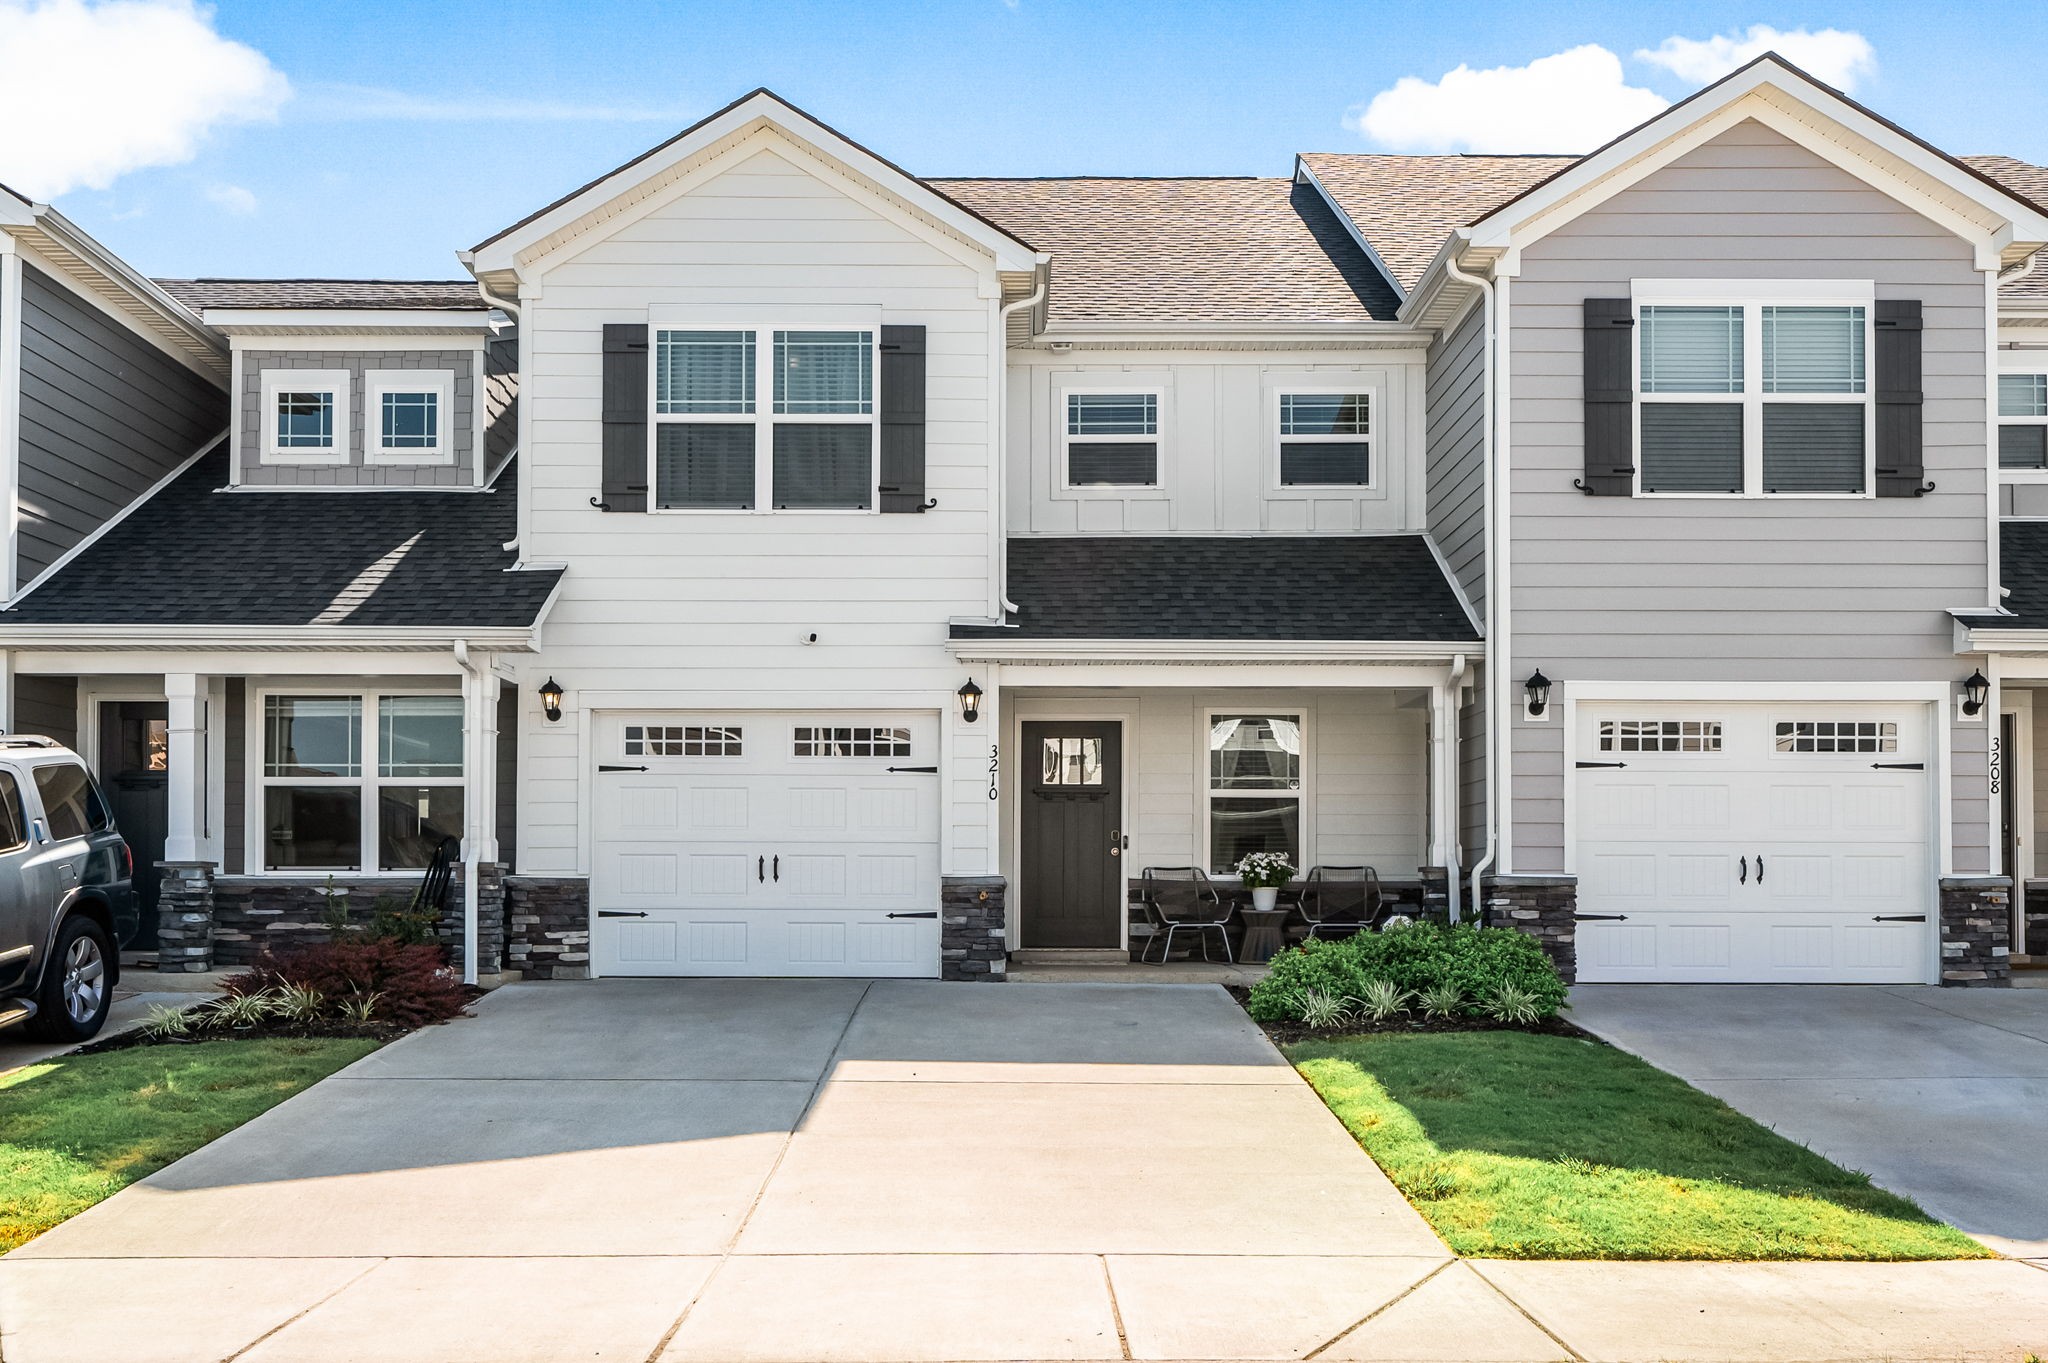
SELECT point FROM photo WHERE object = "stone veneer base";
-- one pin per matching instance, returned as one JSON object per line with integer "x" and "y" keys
{"x": 547, "y": 927}
{"x": 1976, "y": 931}
{"x": 972, "y": 929}
{"x": 1546, "y": 908}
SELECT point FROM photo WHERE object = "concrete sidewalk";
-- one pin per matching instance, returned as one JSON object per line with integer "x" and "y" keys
{"x": 829, "y": 1170}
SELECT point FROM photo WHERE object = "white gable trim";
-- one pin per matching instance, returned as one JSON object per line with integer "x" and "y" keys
{"x": 1304, "y": 175}
{"x": 613, "y": 195}
{"x": 1805, "y": 113}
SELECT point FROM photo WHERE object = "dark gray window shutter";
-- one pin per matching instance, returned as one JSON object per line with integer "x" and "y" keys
{"x": 1901, "y": 467}
{"x": 902, "y": 473}
{"x": 625, "y": 417}
{"x": 1610, "y": 398}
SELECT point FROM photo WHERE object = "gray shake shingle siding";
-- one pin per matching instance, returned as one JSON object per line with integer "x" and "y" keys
{"x": 197, "y": 555}
{"x": 1217, "y": 588}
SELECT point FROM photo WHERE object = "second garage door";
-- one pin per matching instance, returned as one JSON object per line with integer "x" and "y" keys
{"x": 766, "y": 844}
{"x": 1754, "y": 843}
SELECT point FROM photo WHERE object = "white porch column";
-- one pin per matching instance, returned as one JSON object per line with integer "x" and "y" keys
{"x": 1443, "y": 780}
{"x": 6, "y": 691}
{"x": 184, "y": 836}
{"x": 479, "y": 791}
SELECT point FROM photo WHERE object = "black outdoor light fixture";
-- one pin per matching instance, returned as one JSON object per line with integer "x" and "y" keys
{"x": 970, "y": 701}
{"x": 551, "y": 699}
{"x": 1976, "y": 690}
{"x": 1538, "y": 688}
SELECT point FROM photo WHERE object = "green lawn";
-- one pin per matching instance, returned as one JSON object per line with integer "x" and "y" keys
{"x": 1545, "y": 1147}
{"x": 78, "y": 1129}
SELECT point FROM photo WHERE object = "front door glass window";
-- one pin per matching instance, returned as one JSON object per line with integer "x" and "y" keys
{"x": 1071, "y": 762}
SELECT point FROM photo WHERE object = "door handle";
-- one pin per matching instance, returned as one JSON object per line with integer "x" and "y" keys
{"x": 761, "y": 869}
{"x": 606, "y": 767}
{"x": 1759, "y": 868}
{"x": 1116, "y": 848}
{"x": 930, "y": 913}
{"x": 620, "y": 913}
{"x": 1599, "y": 918}
{"x": 778, "y": 868}
{"x": 1745, "y": 870}
{"x": 1898, "y": 918}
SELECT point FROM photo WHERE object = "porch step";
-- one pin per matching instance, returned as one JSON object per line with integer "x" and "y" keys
{"x": 1069, "y": 956}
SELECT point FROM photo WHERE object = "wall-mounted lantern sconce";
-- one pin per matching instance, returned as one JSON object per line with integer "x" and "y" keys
{"x": 551, "y": 699}
{"x": 1976, "y": 690}
{"x": 1537, "y": 689}
{"x": 970, "y": 701}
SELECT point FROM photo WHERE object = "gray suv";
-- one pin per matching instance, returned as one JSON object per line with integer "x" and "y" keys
{"x": 67, "y": 893}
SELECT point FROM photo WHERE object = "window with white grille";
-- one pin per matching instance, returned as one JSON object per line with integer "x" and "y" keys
{"x": 1660, "y": 735}
{"x": 855, "y": 740}
{"x": 1837, "y": 736}
{"x": 683, "y": 740}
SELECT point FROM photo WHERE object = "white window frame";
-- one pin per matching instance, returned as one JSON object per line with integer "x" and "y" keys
{"x": 2019, "y": 362}
{"x": 1302, "y": 714}
{"x": 1374, "y": 414}
{"x": 256, "y": 842}
{"x": 377, "y": 383}
{"x": 764, "y": 325}
{"x": 1753, "y": 296}
{"x": 338, "y": 383}
{"x": 1121, "y": 491}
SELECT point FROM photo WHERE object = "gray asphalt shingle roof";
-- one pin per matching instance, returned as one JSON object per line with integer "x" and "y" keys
{"x": 400, "y": 294}
{"x": 1218, "y": 588}
{"x": 2023, "y": 572}
{"x": 196, "y": 555}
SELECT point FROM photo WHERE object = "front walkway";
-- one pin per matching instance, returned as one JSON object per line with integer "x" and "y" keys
{"x": 1940, "y": 1095}
{"x": 825, "y": 1170}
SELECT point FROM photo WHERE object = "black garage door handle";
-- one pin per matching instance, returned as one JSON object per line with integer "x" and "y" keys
{"x": 620, "y": 913}
{"x": 1899, "y": 918}
{"x": 931, "y": 913}
{"x": 603, "y": 767}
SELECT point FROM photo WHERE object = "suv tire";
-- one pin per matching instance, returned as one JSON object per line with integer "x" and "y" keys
{"x": 77, "y": 988}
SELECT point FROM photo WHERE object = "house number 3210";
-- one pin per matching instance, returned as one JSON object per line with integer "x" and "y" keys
{"x": 994, "y": 765}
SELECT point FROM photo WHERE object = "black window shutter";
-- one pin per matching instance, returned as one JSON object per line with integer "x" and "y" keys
{"x": 902, "y": 471}
{"x": 625, "y": 417}
{"x": 1901, "y": 466}
{"x": 1610, "y": 399}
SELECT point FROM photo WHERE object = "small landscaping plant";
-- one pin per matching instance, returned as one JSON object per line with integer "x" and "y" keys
{"x": 1382, "y": 999}
{"x": 1265, "y": 870}
{"x": 1460, "y": 972}
{"x": 366, "y": 988}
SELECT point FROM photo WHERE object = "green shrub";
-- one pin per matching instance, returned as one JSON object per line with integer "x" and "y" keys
{"x": 1422, "y": 958}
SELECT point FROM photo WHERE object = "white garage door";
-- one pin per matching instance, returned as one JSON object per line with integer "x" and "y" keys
{"x": 1754, "y": 843}
{"x": 766, "y": 844}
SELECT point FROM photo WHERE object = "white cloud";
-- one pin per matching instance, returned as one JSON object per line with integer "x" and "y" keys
{"x": 1833, "y": 56}
{"x": 368, "y": 103}
{"x": 91, "y": 91}
{"x": 233, "y": 198}
{"x": 1569, "y": 102}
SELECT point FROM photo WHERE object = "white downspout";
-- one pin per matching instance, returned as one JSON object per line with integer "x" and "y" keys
{"x": 472, "y": 689}
{"x": 1005, "y": 607}
{"x": 1494, "y": 718}
{"x": 511, "y": 309}
{"x": 1457, "y": 802}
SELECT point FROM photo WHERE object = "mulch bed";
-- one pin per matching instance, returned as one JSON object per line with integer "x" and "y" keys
{"x": 1287, "y": 1033}
{"x": 268, "y": 1030}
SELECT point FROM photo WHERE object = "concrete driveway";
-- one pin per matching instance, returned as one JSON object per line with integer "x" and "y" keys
{"x": 799, "y": 1170}
{"x": 1938, "y": 1094}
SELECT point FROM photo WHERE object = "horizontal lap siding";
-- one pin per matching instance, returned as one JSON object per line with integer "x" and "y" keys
{"x": 1456, "y": 427}
{"x": 1635, "y": 589}
{"x": 104, "y": 416}
{"x": 680, "y": 607}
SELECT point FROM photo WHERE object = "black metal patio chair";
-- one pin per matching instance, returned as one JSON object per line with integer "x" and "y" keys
{"x": 1182, "y": 899}
{"x": 1340, "y": 900}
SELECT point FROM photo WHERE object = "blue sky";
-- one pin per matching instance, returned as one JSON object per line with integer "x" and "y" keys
{"x": 386, "y": 135}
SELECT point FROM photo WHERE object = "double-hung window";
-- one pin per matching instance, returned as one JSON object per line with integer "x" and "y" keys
{"x": 407, "y": 414}
{"x": 1112, "y": 439}
{"x": 1752, "y": 396}
{"x": 305, "y": 417}
{"x": 1254, "y": 787}
{"x": 2023, "y": 419}
{"x": 764, "y": 418}
{"x": 359, "y": 782}
{"x": 1325, "y": 440}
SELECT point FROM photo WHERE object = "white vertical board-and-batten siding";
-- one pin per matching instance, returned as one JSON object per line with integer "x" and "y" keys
{"x": 1707, "y": 590}
{"x": 711, "y": 610}
{"x": 1218, "y": 442}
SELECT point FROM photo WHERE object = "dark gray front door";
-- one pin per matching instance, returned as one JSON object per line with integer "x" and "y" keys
{"x": 1072, "y": 878}
{"x": 135, "y": 745}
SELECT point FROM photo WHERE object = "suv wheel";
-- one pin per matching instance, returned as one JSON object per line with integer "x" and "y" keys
{"x": 76, "y": 993}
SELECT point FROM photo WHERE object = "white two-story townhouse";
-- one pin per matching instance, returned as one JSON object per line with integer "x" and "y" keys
{"x": 773, "y": 562}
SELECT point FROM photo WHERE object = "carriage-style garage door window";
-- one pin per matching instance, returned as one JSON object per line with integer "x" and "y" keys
{"x": 346, "y": 773}
{"x": 1254, "y": 787}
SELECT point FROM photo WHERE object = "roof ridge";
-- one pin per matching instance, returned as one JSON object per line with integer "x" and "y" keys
{"x": 1119, "y": 179}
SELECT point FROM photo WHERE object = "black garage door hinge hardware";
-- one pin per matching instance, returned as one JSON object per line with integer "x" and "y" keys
{"x": 1899, "y": 766}
{"x": 1601, "y": 764}
{"x": 620, "y": 913}
{"x": 1599, "y": 918}
{"x": 1899, "y": 918}
{"x": 603, "y": 767}
{"x": 929, "y": 769}
{"x": 928, "y": 913}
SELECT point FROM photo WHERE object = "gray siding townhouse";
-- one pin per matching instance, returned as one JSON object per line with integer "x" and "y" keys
{"x": 769, "y": 561}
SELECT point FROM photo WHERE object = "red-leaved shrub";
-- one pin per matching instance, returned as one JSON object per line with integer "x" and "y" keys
{"x": 413, "y": 985}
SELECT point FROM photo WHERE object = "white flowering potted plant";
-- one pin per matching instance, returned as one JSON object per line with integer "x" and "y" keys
{"x": 1265, "y": 874}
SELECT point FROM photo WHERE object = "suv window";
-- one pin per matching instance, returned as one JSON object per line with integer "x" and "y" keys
{"x": 70, "y": 801}
{"x": 13, "y": 828}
